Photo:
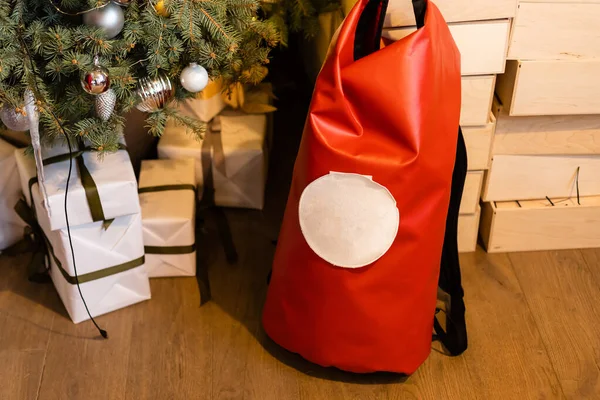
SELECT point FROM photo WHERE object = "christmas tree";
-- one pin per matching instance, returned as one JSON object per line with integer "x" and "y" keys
{"x": 85, "y": 63}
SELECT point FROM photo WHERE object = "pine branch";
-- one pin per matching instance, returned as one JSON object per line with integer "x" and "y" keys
{"x": 231, "y": 38}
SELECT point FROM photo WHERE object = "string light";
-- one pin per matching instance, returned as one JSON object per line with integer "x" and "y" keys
{"x": 77, "y": 13}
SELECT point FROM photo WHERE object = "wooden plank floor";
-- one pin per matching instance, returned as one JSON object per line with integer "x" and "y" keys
{"x": 533, "y": 320}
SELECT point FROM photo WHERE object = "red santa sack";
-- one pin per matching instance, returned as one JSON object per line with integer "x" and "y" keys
{"x": 373, "y": 209}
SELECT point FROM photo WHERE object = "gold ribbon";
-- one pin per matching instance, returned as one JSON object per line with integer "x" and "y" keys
{"x": 212, "y": 89}
{"x": 250, "y": 99}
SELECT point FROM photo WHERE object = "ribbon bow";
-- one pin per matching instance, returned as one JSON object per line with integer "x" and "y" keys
{"x": 34, "y": 241}
{"x": 89, "y": 186}
{"x": 252, "y": 101}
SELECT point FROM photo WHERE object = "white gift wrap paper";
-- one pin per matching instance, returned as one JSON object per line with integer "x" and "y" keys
{"x": 102, "y": 295}
{"x": 238, "y": 153}
{"x": 96, "y": 250}
{"x": 175, "y": 144}
{"x": 206, "y": 105}
{"x": 168, "y": 216}
{"x": 114, "y": 179}
{"x": 11, "y": 226}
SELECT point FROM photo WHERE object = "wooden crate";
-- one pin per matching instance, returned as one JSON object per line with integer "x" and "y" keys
{"x": 471, "y": 192}
{"x": 514, "y": 177}
{"x": 483, "y": 44}
{"x": 477, "y": 94}
{"x": 400, "y": 12}
{"x": 546, "y": 135}
{"x": 532, "y": 225}
{"x": 550, "y": 87}
{"x": 478, "y": 140}
{"x": 555, "y": 31}
{"x": 468, "y": 228}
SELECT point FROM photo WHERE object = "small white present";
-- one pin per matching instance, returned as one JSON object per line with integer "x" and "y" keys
{"x": 11, "y": 226}
{"x": 207, "y": 103}
{"x": 235, "y": 157}
{"x": 109, "y": 259}
{"x": 168, "y": 200}
{"x": 99, "y": 189}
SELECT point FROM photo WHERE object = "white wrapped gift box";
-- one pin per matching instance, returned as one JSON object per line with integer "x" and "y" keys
{"x": 168, "y": 200}
{"x": 237, "y": 156}
{"x": 11, "y": 226}
{"x": 114, "y": 179}
{"x": 109, "y": 260}
{"x": 206, "y": 105}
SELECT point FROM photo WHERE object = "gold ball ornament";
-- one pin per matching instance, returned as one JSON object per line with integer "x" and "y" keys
{"x": 161, "y": 9}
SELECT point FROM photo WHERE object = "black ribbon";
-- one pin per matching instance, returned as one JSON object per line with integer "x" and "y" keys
{"x": 201, "y": 268}
{"x": 168, "y": 250}
{"x": 34, "y": 241}
{"x": 212, "y": 140}
{"x": 87, "y": 181}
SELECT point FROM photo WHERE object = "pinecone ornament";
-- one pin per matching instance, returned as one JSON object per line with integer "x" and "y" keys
{"x": 105, "y": 104}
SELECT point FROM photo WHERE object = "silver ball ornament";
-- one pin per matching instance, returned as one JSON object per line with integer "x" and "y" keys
{"x": 194, "y": 78}
{"x": 96, "y": 80}
{"x": 13, "y": 120}
{"x": 110, "y": 18}
{"x": 154, "y": 93}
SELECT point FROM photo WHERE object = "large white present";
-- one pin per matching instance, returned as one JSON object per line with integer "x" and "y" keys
{"x": 207, "y": 103}
{"x": 99, "y": 189}
{"x": 168, "y": 200}
{"x": 11, "y": 226}
{"x": 236, "y": 158}
{"x": 109, "y": 259}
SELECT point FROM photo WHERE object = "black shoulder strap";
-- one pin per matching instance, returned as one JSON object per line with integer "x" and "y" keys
{"x": 454, "y": 338}
{"x": 370, "y": 25}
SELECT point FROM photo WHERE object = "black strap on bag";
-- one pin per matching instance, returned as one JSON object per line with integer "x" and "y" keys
{"x": 454, "y": 337}
{"x": 370, "y": 25}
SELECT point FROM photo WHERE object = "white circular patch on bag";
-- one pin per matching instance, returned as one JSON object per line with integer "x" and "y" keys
{"x": 347, "y": 219}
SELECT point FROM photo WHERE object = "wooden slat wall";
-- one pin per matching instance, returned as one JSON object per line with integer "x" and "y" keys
{"x": 400, "y": 12}
{"x": 550, "y": 87}
{"x": 515, "y": 177}
{"x": 555, "y": 31}
{"x": 482, "y": 44}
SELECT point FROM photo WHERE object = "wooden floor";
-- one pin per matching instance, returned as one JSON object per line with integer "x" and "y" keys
{"x": 533, "y": 320}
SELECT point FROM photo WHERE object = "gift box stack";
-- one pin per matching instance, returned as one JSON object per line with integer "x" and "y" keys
{"x": 232, "y": 159}
{"x": 119, "y": 238}
{"x": 543, "y": 188}
{"x": 105, "y": 225}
